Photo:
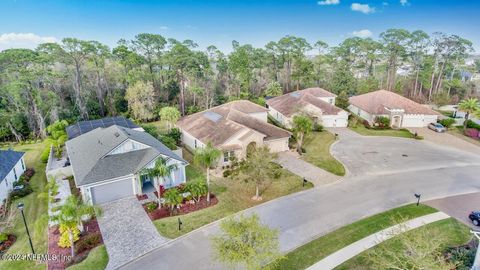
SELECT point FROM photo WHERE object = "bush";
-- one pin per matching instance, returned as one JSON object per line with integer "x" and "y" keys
{"x": 64, "y": 240}
{"x": 29, "y": 173}
{"x": 88, "y": 242}
{"x": 15, "y": 194}
{"x": 317, "y": 127}
{"x": 471, "y": 132}
{"x": 227, "y": 173}
{"x": 168, "y": 142}
{"x": 366, "y": 124}
{"x": 382, "y": 122}
{"x": 175, "y": 134}
{"x": 462, "y": 257}
{"x": 151, "y": 129}
{"x": 45, "y": 154}
{"x": 447, "y": 122}
{"x": 151, "y": 206}
{"x": 3, "y": 237}
{"x": 471, "y": 124}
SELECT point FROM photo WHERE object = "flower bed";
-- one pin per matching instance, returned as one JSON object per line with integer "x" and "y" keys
{"x": 89, "y": 239}
{"x": 186, "y": 207}
{"x": 142, "y": 197}
{"x": 7, "y": 243}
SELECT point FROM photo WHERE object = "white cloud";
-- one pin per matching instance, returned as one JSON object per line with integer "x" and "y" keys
{"x": 328, "y": 2}
{"x": 23, "y": 40}
{"x": 404, "y": 3}
{"x": 364, "y": 33}
{"x": 364, "y": 8}
{"x": 164, "y": 27}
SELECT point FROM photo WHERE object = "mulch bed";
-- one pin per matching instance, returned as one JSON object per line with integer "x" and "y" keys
{"x": 142, "y": 197}
{"x": 91, "y": 228}
{"x": 7, "y": 243}
{"x": 185, "y": 208}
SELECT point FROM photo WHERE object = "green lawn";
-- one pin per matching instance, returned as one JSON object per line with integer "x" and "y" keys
{"x": 233, "y": 196}
{"x": 97, "y": 259}
{"x": 362, "y": 130}
{"x": 319, "y": 248}
{"x": 456, "y": 234}
{"x": 317, "y": 147}
{"x": 34, "y": 209}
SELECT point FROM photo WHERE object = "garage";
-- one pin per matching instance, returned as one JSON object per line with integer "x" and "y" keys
{"x": 338, "y": 120}
{"x": 112, "y": 191}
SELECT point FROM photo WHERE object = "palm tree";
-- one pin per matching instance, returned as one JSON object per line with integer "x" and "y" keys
{"x": 302, "y": 126}
{"x": 71, "y": 214}
{"x": 207, "y": 157}
{"x": 468, "y": 106}
{"x": 159, "y": 172}
{"x": 173, "y": 198}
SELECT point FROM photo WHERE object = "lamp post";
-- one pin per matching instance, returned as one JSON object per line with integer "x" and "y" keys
{"x": 418, "y": 198}
{"x": 476, "y": 263}
{"x": 20, "y": 206}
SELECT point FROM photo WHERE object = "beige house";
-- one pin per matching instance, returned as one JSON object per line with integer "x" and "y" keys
{"x": 235, "y": 128}
{"x": 401, "y": 111}
{"x": 316, "y": 102}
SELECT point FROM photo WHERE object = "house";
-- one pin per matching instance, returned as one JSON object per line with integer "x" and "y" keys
{"x": 401, "y": 111}
{"x": 82, "y": 127}
{"x": 107, "y": 163}
{"x": 235, "y": 128}
{"x": 316, "y": 102}
{"x": 12, "y": 166}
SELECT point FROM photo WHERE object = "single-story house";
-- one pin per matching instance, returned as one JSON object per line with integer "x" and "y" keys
{"x": 235, "y": 128}
{"x": 83, "y": 127}
{"x": 401, "y": 111}
{"x": 316, "y": 102}
{"x": 107, "y": 163}
{"x": 12, "y": 166}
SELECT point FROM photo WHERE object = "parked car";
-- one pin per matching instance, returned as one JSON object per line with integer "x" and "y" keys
{"x": 437, "y": 127}
{"x": 475, "y": 217}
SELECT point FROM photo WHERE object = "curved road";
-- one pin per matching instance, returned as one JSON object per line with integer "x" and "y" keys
{"x": 383, "y": 173}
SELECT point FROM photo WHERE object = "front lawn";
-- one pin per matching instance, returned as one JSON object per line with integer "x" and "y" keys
{"x": 362, "y": 130}
{"x": 34, "y": 209}
{"x": 96, "y": 259}
{"x": 233, "y": 196}
{"x": 317, "y": 147}
{"x": 455, "y": 234}
{"x": 314, "y": 251}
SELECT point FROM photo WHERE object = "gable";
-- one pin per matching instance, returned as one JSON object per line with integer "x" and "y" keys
{"x": 127, "y": 146}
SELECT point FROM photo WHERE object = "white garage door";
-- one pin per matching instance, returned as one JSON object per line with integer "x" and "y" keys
{"x": 112, "y": 191}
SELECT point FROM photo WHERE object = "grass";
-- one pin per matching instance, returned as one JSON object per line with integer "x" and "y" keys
{"x": 356, "y": 125}
{"x": 455, "y": 234}
{"x": 96, "y": 259}
{"x": 317, "y": 146}
{"x": 34, "y": 209}
{"x": 321, "y": 247}
{"x": 233, "y": 196}
{"x": 458, "y": 132}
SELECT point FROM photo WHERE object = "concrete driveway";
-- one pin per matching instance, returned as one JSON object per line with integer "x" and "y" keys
{"x": 458, "y": 207}
{"x": 446, "y": 139}
{"x": 127, "y": 231}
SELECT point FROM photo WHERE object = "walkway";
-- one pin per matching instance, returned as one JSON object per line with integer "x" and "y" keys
{"x": 312, "y": 173}
{"x": 127, "y": 231}
{"x": 350, "y": 251}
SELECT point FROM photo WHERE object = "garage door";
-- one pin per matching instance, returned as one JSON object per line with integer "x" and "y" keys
{"x": 112, "y": 191}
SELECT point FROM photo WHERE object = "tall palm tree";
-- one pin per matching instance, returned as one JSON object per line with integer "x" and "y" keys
{"x": 71, "y": 214}
{"x": 302, "y": 126}
{"x": 160, "y": 171}
{"x": 207, "y": 157}
{"x": 468, "y": 106}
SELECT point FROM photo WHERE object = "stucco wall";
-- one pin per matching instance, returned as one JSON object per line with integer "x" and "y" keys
{"x": 337, "y": 120}
{"x": 278, "y": 116}
{"x": 418, "y": 120}
{"x": 279, "y": 145}
{"x": 6, "y": 185}
{"x": 361, "y": 113}
{"x": 189, "y": 141}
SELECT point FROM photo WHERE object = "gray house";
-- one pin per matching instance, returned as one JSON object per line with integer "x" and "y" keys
{"x": 107, "y": 163}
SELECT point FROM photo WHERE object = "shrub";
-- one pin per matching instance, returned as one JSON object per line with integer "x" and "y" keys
{"x": 197, "y": 188}
{"x": 366, "y": 124}
{"x": 317, "y": 127}
{"x": 471, "y": 124}
{"x": 151, "y": 129}
{"x": 172, "y": 198}
{"x": 88, "y": 242}
{"x": 382, "y": 122}
{"x": 471, "y": 132}
{"x": 15, "y": 194}
{"x": 29, "y": 173}
{"x": 3, "y": 237}
{"x": 447, "y": 122}
{"x": 227, "y": 173}
{"x": 151, "y": 206}
{"x": 64, "y": 240}
{"x": 45, "y": 154}
{"x": 175, "y": 134}
{"x": 462, "y": 257}
{"x": 168, "y": 142}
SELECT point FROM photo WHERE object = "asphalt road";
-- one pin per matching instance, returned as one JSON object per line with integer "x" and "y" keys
{"x": 384, "y": 173}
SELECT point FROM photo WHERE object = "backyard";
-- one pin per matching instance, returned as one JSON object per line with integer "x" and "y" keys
{"x": 35, "y": 209}
{"x": 317, "y": 147}
{"x": 233, "y": 196}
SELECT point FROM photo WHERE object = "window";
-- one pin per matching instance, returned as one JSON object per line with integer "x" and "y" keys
{"x": 195, "y": 143}
{"x": 15, "y": 174}
{"x": 227, "y": 155}
{"x": 23, "y": 164}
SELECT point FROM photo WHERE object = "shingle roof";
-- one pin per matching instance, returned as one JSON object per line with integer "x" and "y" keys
{"x": 8, "y": 159}
{"x": 291, "y": 103}
{"x": 83, "y": 127}
{"x": 376, "y": 102}
{"x": 88, "y": 152}
{"x": 234, "y": 117}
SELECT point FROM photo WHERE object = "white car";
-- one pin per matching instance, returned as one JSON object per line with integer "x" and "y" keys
{"x": 437, "y": 127}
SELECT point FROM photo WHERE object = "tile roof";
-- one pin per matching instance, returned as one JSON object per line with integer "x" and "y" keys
{"x": 234, "y": 118}
{"x": 291, "y": 103}
{"x": 8, "y": 159}
{"x": 88, "y": 152}
{"x": 376, "y": 102}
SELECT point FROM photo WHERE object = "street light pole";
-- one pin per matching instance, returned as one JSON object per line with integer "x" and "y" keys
{"x": 476, "y": 263}
{"x": 20, "y": 206}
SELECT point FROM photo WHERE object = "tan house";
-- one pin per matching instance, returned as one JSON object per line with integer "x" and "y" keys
{"x": 234, "y": 128}
{"x": 401, "y": 111}
{"x": 316, "y": 102}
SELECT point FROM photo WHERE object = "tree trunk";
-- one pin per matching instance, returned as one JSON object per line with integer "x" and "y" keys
{"x": 257, "y": 194}
{"x": 299, "y": 143}
{"x": 17, "y": 135}
{"x": 465, "y": 122}
{"x": 208, "y": 185}
{"x": 77, "y": 86}
{"x": 416, "y": 82}
{"x": 99, "y": 91}
{"x": 440, "y": 76}
{"x": 182, "y": 92}
{"x": 72, "y": 247}
{"x": 431, "y": 86}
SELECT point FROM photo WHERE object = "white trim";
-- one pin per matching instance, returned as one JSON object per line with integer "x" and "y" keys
{"x": 111, "y": 180}
{"x": 122, "y": 143}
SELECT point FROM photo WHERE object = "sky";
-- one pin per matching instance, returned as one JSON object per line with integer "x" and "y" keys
{"x": 26, "y": 23}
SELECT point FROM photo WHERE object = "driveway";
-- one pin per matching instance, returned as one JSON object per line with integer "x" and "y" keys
{"x": 380, "y": 178}
{"x": 446, "y": 139}
{"x": 312, "y": 173}
{"x": 127, "y": 231}
{"x": 458, "y": 207}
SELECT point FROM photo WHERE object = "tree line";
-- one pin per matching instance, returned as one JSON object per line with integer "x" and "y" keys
{"x": 78, "y": 80}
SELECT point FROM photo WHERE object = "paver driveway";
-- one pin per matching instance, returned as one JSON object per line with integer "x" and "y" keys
{"x": 127, "y": 231}
{"x": 459, "y": 207}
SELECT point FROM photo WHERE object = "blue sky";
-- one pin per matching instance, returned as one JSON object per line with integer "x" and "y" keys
{"x": 24, "y": 23}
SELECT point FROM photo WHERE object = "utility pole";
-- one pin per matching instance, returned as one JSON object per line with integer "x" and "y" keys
{"x": 476, "y": 263}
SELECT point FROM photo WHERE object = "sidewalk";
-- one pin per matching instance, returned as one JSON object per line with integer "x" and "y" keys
{"x": 350, "y": 251}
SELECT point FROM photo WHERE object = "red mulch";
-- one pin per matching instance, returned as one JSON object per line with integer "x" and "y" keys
{"x": 90, "y": 227}
{"x": 7, "y": 243}
{"x": 185, "y": 208}
{"x": 142, "y": 197}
